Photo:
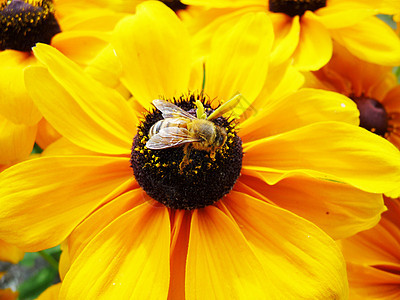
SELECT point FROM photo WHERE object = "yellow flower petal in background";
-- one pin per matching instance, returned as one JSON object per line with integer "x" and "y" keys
{"x": 154, "y": 65}
{"x": 113, "y": 135}
{"x": 297, "y": 256}
{"x": 15, "y": 103}
{"x": 129, "y": 259}
{"x": 344, "y": 13}
{"x": 86, "y": 180}
{"x": 287, "y": 34}
{"x": 373, "y": 260}
{"x": 371, "y": 40}
{"x": 315, "y": 45}
{"x": 327, "y": 150}
{"x": 239, "y": 59}
{"x": 16, "y": 141}
{"x": 224, "y": 3}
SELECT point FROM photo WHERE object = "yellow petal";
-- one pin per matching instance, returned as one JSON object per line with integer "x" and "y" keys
{"x": 301, "y": 108}
{"x": 180, "y": 232}
{"x": 300, "y": 260}
{"x": 339, "y": 209}
{"x": 224, "y": 3}
{"x": 16, "y": 141}
{"x": 315, "y": 45}
{"x": 129, "y": 259}
{"x": 89, "y": 114}
{"x": 64, "y": 146}
{"x": 287, "y": 33}
{"x": 42, "y": 200}
{"x": 154, "y": 49}
{"x": 100, "y": 219}
{"x": 372, "y": 40}
{"x": 46, "y": 134}
{"x": 51, "y": 293}
{"x": 344, "y": 13}
{"x": 329, "y": 151}
{"x": 10, "y": 253}
{"x": 80, "y": 46}
{"x": 15, "y": 103}
{"x": 220, "y": 263}
{"x": 239, "y": 59}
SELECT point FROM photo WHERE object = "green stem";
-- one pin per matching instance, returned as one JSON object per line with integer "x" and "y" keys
{"x": 49, "y": 259}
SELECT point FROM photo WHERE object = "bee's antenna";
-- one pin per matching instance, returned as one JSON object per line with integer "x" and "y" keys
{"x": 204, "y": 77}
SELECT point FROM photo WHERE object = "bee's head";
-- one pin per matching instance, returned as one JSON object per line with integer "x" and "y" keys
{"x": 220, "y": 137}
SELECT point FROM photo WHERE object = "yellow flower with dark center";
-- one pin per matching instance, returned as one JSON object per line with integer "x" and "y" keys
{"x": 22, "y": 24}
{"x": 372, "y": 87}
{"x": 123, "y": 244}
{"x": 25, "y": 23}
{"x": 373, "y": 258}
{"x": 304, "y": 29}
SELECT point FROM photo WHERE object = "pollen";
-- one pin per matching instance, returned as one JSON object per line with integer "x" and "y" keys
{"x": 203, "y": 180}
{"x": 295, "y": 7}
{"x": 25, "y": 23}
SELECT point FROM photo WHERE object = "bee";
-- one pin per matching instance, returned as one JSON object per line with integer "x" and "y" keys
{"x": 180, "y": 128}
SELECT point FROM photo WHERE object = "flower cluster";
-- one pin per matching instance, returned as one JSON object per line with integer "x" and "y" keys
{"x": 224, "y": 149}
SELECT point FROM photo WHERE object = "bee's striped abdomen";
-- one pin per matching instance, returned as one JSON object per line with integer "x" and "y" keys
{"x": 166, "y": 123}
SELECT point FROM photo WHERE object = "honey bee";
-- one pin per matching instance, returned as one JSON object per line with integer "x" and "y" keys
{"x": 181, "y": 128}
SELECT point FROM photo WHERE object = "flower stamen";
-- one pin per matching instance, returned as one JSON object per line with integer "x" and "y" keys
{"x": 295, "y": 7}
{"x": 25, "y": 23}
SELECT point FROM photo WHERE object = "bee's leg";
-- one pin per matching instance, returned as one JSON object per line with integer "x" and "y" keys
{"x": 212, "y": 154}
{"x": 185, "y": 160}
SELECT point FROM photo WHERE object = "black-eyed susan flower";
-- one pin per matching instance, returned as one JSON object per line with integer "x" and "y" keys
{"x": 79, "y": 35}
{"x": 373, "y": 258}
{"x": 121, "y": 243}
{"x": 372, "y": 87}
{"x": 304, "y": 29}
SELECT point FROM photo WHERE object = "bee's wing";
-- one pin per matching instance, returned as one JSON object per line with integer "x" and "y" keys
{"x": 170, "y": 110}
{"x": 170, "y": 137}
{"x": 227, "y": 106}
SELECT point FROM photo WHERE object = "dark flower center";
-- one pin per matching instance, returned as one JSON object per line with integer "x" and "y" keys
{"x": 25, "y": 23}
{"x": 373, "y": 115}
{"x": 175, "y": 5}
{"x": 203, "y": 179}
{"x": 295, "y": 7}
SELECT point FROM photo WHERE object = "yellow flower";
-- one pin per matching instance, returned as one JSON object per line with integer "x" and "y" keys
{"x": 79, "y": 35}
{"x": 304, "y": 29}
{"x": 373, "y": 258}
{"x": 372, "y": 87}
{"x": 123, "y": 244}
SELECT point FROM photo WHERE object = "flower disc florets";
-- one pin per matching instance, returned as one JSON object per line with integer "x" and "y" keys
{"x": 25, "y": 23}
{"x": 295, "y": 7}
{"x": 373, "y": 115}
{"x": 203, "y": 180}
{"x": 175, "y": 5}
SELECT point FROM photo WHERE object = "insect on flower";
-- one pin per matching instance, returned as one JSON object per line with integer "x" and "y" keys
{"x": 181, "y": 128}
